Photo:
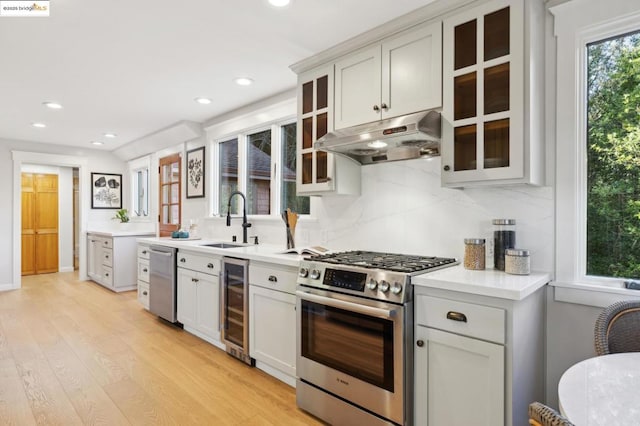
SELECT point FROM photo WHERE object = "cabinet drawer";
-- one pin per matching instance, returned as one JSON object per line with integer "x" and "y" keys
{"x": 107, "y": 257}
{"x": 143, "y": 270}
{"x": 143, "y": 251}
{"x": 199, "y": 262}
{"x": 273, "y": 276}
{"x": 481, "y": 322}
{"x": 107, "y": 276}
{"x": 143, "y": 294}
{"x": 107, "y": 242}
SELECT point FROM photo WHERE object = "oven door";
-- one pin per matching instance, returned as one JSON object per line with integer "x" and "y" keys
{"x": 353, "y": 347}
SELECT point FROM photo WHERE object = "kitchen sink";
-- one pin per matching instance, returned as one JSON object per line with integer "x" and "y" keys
{"x": 224, "y": 245}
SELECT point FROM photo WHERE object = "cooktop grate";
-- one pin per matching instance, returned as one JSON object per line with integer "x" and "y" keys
{"x": 386, "y": 261}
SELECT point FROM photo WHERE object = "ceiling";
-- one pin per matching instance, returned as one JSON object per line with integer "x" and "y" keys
{"x": 135, "y": 67}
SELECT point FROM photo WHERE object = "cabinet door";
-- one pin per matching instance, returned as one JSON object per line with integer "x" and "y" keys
{"x": 94, "y": 258}
{"x": 187, "y": 297}
{"x": 315, "y": 169}
{"x": 358, "y": 88}
{"x": 208, "y": 305}
{"x": 272, "y": 328}
{"x": 459, "y": 381}
{"x": 412, "y": 72}
{"x": 483, "y": 105}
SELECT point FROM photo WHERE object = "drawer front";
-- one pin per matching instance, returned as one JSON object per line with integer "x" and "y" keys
{"x": 481, "y": 322}
{"x": 143, "y": 251}
{"x": 199, "y": 262}
{"x": 273, "y": 276}
{"x": 107, "y": 276}
{"x": 107, "y": 257}
{"x": 143, "y": 270}
{"x": 107, "y": 242}
{"x": 143, "y": 294}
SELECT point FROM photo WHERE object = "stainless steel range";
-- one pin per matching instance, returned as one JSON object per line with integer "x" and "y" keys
{"x": 355, "y": 334}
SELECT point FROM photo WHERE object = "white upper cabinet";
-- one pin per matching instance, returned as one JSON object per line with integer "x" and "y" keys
{"x": 493, "y": 94}
{"x": 401, "y": 75}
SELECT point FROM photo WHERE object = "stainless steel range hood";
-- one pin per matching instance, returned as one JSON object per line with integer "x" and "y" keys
{"x": 400, "y": 138}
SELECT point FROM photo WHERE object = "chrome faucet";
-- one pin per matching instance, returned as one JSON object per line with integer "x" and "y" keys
{"x": 245, "y": 224}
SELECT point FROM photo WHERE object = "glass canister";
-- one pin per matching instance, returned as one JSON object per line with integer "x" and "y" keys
{"x": 504, "y": 237}
{"x": 474, "y": 252}
{"x": 517, "y": 261}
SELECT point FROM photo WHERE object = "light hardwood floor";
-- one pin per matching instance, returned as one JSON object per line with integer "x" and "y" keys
{"x": 72, "y": 352}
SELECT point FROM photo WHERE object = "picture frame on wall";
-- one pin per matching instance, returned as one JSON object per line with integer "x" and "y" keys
{"x": 106, "y": 191}
{"x": 195, "y": 173}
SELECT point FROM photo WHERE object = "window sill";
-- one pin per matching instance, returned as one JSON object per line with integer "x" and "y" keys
{"x": 599, "y": 295}
{"x": 264, "y": 218}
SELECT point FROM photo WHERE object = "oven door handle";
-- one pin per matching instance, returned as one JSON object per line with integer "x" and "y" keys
{"x": 342, "y": 304}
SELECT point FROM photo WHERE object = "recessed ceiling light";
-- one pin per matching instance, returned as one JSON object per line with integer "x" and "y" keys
{"x": 39, "y": 125}
{"x": 279, "y": 3}
{"x": 243, "y": 81}
{"x": 203, "y": 101}
{"x": 97, "y": 143}
{"x": 52, "y": 105}
{"x": 110, "y": 135}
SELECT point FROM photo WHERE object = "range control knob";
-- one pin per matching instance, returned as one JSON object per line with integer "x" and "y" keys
{"x": 303, "y": 272}
{"x": 372, "y": 284}
{"x": 383, "y": 286}
{"x": 314, "y": 274}
{"x": 396, "y": 288}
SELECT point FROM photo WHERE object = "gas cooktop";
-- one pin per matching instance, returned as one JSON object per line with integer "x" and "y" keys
{"x": 386, "y": 261}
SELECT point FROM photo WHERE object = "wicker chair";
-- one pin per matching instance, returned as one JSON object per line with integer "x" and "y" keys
{"x": 541, "y": 415}
{"x": 618, "y": 328}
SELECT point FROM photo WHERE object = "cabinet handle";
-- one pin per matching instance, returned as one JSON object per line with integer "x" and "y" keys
{"x": 106, "y": 256}
{"x": 106, "y": 275}
{"x": 210, "y": 265}
{"x": 420, "y": 343}
{"x": 144, "y": 293}
{"x": 384, "y": 106}
{"x": 183, "y": 260}
{"x": 195, "y": 280}
{"x": 446, "y": 168}
{"x": 145, "y": 270}
{"x": 376, "y": 108}
{"x": 456, "y": 316}
{"x": 273, "y": 278}
{"x": 144, "y": 252}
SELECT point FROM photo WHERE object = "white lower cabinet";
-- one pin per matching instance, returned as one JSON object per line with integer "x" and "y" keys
{"x": 198, "y": 304}
{"x": 272, "y": 319}
{"x": 458, "y": 381}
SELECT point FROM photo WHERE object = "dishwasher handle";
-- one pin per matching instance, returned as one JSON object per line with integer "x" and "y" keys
{"x": 161, "y": 253}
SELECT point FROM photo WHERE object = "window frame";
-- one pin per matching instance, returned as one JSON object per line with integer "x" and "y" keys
{"x": 135, "y": 166}
{"x": 576, "y": 26}
{"x": 276, "y": 167}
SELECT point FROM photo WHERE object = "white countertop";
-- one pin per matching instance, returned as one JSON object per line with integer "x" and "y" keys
{"x": 121, "y": 233}
{"x": 261, "y": 252}
{"x": 489, "y": 282}
{"x": 602, "y": 390}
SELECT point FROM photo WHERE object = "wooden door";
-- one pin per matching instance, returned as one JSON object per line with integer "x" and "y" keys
{"x": 39, "y": 223}
{"x": 170, "y": 194}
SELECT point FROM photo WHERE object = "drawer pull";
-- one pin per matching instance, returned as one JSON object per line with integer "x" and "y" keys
{"x": 106, "y": 275}
{"x": 144, "y": 293}
{"x": 210, "y": 265}
{"x": 145, "y": 270}
{"x": 273, "y": 278}
{"x": 106, "y": 256}
{"x": 144, "y": 252}
{"x": 195, "y": 280}
{"x": 182, "y": 259}
{"x": 456, "y": 316}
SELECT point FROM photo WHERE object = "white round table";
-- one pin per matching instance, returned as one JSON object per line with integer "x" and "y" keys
{"x": 604, "y": 390}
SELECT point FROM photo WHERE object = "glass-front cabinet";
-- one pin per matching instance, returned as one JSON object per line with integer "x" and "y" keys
{"x": 316, "y": 171}
{"x": 485, "y": 98}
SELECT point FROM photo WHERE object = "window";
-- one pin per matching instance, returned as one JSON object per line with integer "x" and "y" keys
{"x": 288, "y": 184}
{"x": 596, "y": 141}
{"x": 262, "y": 165}
{"x": 613, "y": 157}
{"x": 139, "y": 173}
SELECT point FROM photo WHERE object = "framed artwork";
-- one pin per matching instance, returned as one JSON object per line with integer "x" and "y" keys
{"x": 106, "y": 191}
{"x": 195, "y": 173}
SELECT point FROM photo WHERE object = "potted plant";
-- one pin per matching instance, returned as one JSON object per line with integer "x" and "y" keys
{"x": 122, "y": 215}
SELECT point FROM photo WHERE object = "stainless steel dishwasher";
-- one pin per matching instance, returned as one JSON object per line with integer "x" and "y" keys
{"x": 162, "y": 282}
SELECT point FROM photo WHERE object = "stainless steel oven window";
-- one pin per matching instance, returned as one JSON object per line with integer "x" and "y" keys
{"x": 355, "y": 344}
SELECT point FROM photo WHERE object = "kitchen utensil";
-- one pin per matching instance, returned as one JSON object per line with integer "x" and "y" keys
{"x": 290, "y": 243}
{"x": 292, "y": 220}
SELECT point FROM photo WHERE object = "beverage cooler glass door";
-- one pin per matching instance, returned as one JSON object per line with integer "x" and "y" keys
{"x": 235, "y": 302}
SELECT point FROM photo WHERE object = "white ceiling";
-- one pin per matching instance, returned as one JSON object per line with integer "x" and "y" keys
{"x": 135, "y": 67}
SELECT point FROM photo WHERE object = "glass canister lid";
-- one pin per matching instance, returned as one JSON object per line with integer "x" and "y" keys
{"x": 474, "y": 240}
{"x": 504, "y": 221}
{"x": 516, "y": 252}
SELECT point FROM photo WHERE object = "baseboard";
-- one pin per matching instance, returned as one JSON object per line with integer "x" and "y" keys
{"x": 66, "y": 269}
{"x": 6, "y": 287}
